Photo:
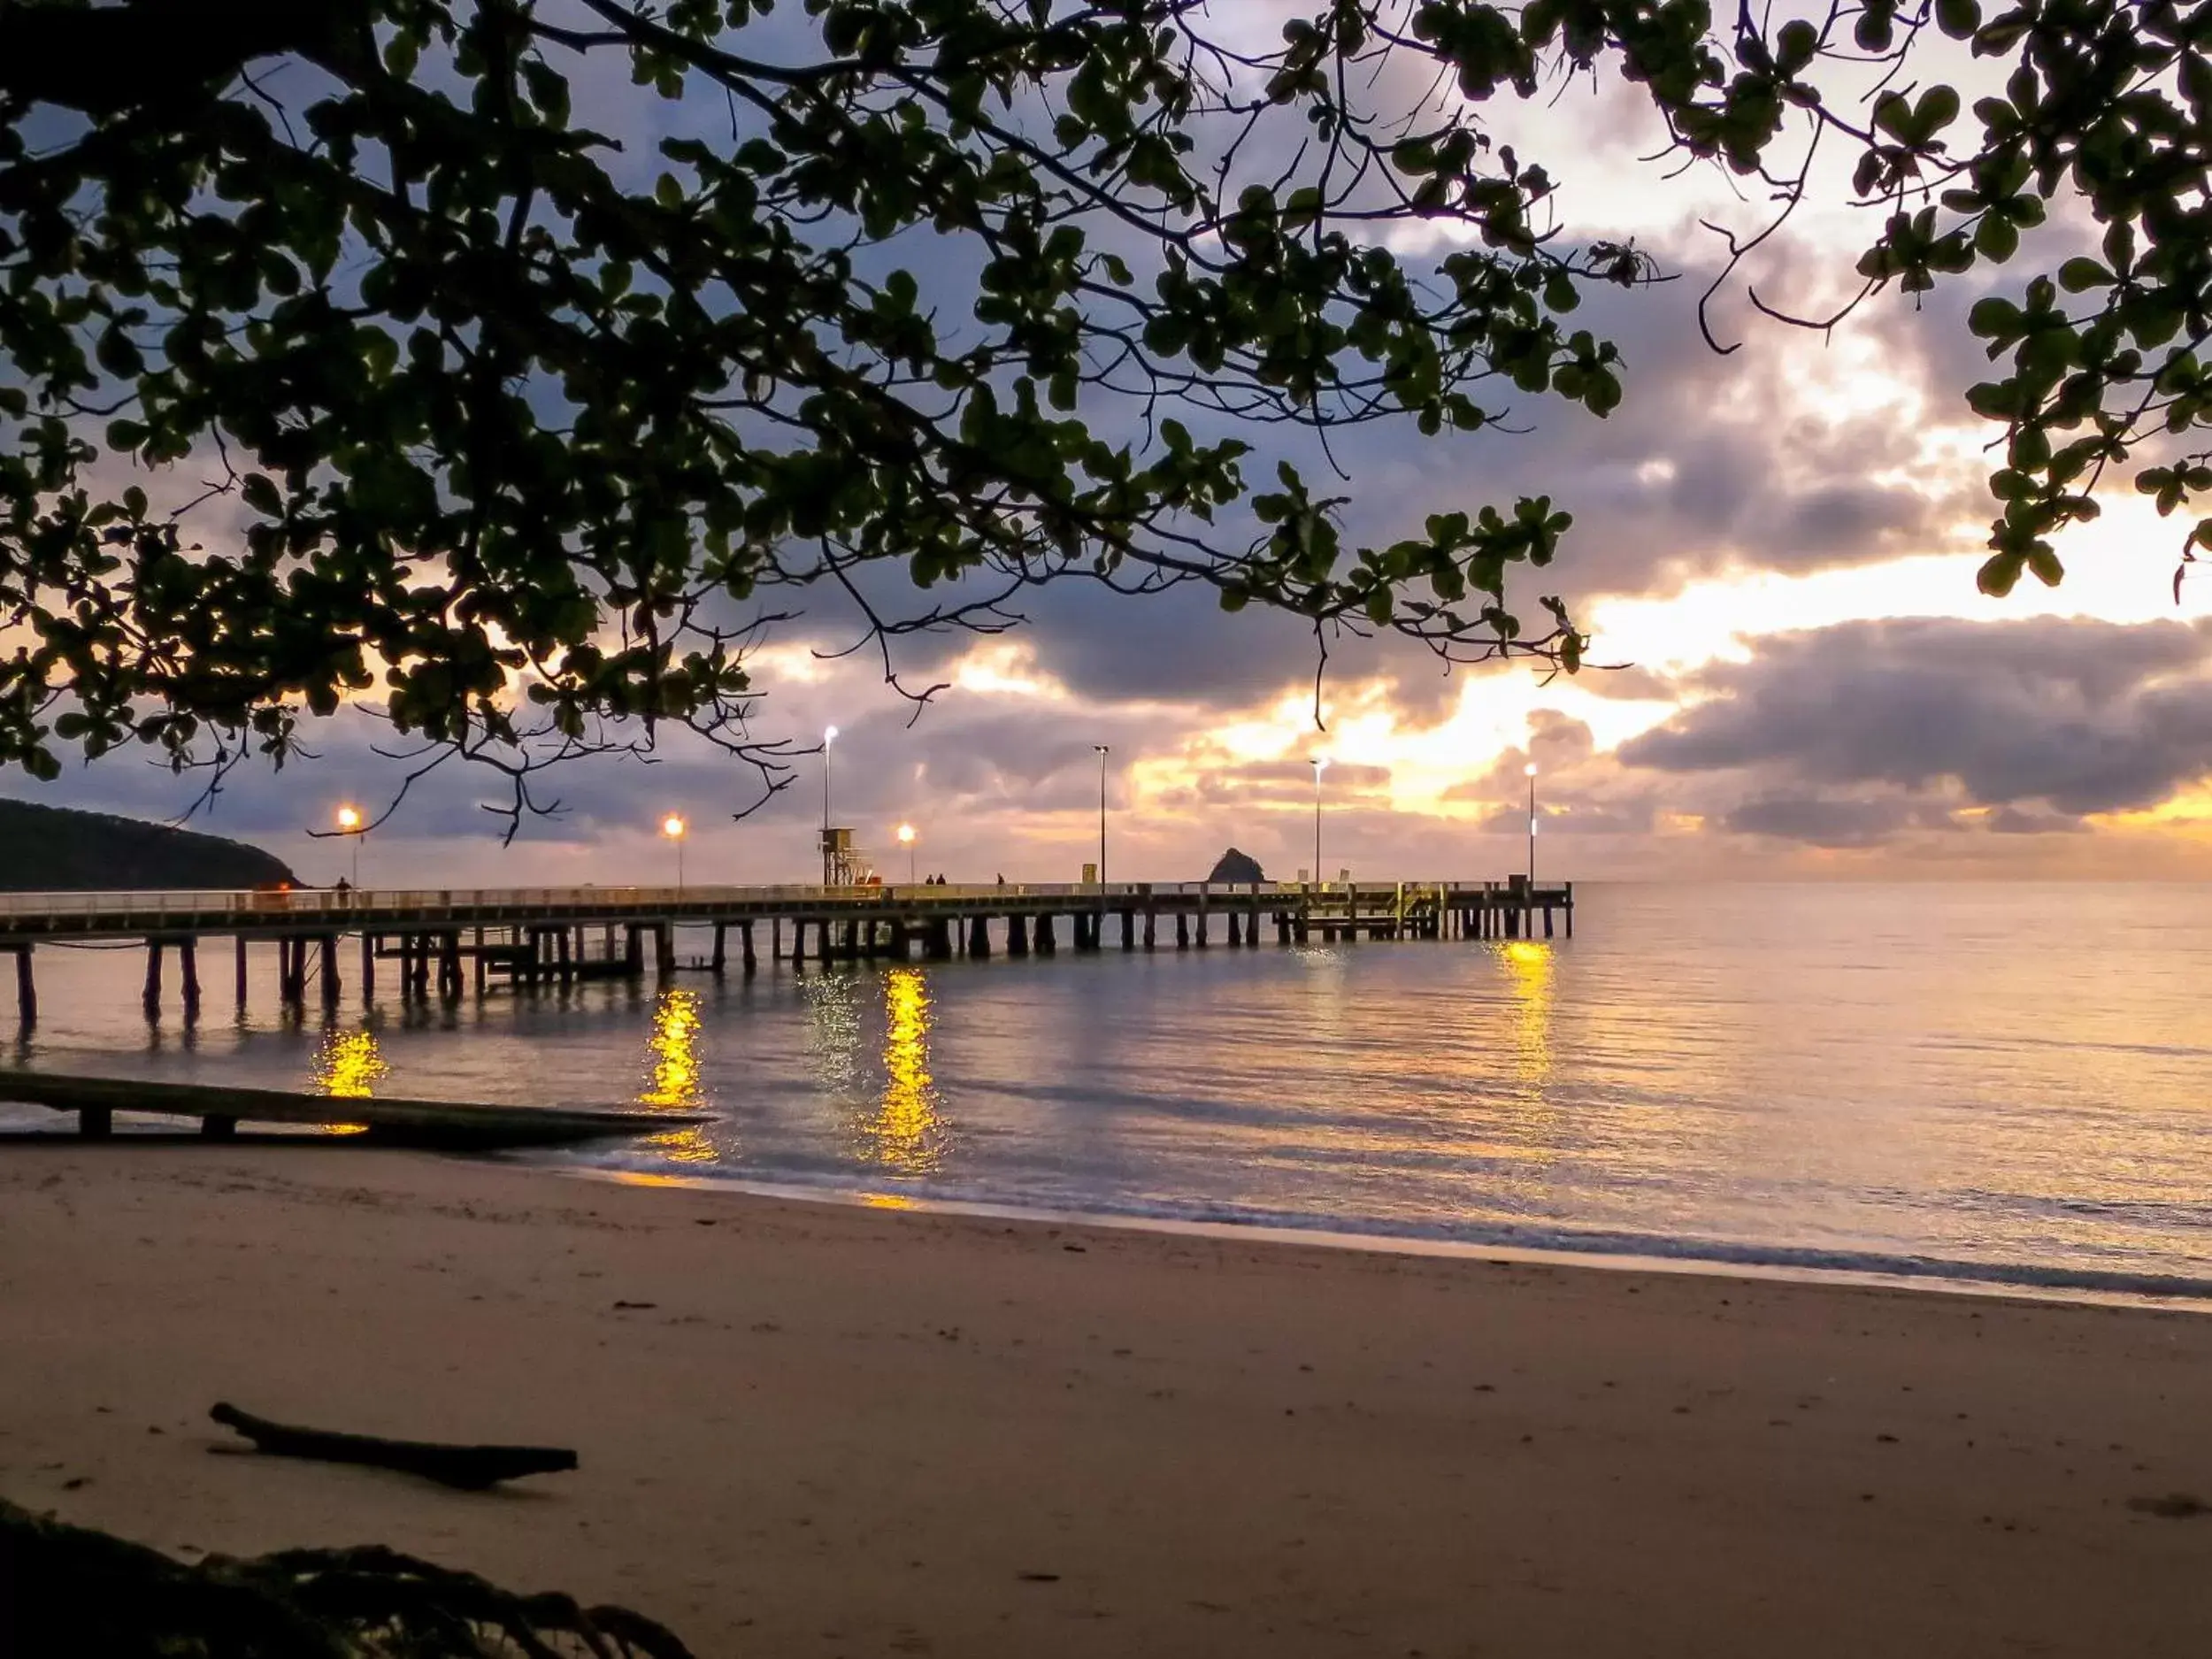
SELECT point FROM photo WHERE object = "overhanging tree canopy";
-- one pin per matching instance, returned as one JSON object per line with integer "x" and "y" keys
{"x": 530, "y": 428}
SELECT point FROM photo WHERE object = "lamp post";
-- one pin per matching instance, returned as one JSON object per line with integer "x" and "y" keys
{"x": 829, "y": 736}
{"x": 1531, "y": 769}
{"x": 1104, "y": 750}
{"x": 1320, "y": 765}
{"x": 906, "y": 840}
{"x": 673, "y": 827}
{"x": 350, "y": 824}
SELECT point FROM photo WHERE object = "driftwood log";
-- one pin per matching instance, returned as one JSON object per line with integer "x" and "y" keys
{"x": 71, "y": 1593}
{"x": 469, "y": 1468}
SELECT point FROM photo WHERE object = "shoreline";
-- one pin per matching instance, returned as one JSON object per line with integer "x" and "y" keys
{"x": 1940, "y": 1275}
{"x": 2029, "y": 1282}
{"x": 831, "y": 1428}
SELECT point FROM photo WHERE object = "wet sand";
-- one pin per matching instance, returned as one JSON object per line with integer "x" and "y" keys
{"x": 830, "y": 1430}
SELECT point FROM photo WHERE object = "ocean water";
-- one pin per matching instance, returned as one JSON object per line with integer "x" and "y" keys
{"x": 1994, "y": 1082}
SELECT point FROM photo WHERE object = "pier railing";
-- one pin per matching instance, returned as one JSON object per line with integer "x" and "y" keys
{"x": 330, "y": 901}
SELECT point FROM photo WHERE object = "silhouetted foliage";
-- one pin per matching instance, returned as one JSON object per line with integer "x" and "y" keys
{"x": 535, "y": 436}
{"x": 70, "y": 1590}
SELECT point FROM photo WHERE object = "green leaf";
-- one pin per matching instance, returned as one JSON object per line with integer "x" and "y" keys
{"x": 1958, "y": 18}
{"x": 260, "y": 494}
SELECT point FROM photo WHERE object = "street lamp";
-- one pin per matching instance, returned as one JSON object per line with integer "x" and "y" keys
{"x": 1320, "y": 765}
{"x": 829, "y": 736}
{"x": 906, "y": 840}
{"x": 673, "y": 827}
{"x": 350, "y": 823}
{"x": 1531, "y": 769}
{"x": 1104, "y": 750}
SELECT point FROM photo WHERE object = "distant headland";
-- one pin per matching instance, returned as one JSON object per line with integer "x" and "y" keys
{"x": 54, "y": 848}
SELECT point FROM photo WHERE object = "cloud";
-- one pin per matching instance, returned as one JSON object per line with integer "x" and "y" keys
{"x": 1580, "y": 790}
{"x": 1825, "y": 821}
{"x": 1853, "y": 735}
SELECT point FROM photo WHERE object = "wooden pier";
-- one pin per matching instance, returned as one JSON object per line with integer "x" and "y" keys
{"x": 221, "y": 1109}
{"x": 439, "y": 943}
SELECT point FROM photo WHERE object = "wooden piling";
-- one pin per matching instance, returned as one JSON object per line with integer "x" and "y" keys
{"x": 1182, "y": 930}
{"x": 1046, "y": 945}
{"x": 1016, "y": 935}
{"x": 330, "y": 971}
{"x": 720, "y": 965}
{"x": 1236, "y": 933}
{"x": 747, "y": 958}
{"x": 1128, "y": 930}
{"x": 1151, "y": 917}
{"x": 26, "y": 989}
{"x": 239, "y": 942}
{"x": 980, "y": 937}
{"x": 152, "y": 996}
{"x": 188, "y": 975}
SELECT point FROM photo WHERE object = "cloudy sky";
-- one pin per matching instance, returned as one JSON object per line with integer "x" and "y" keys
{"x": 1774, "y": 549}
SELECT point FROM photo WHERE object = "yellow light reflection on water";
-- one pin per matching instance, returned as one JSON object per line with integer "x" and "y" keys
{"x": 1529, "y": 976}
{"x": 674, "y": 1083}
{"x": 348, "y": 1065}
{"x": 906, "y": 1131}
{"x": 675, "y": 1050}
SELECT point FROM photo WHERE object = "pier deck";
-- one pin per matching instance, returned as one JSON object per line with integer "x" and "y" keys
{"x": 530, "y": 935}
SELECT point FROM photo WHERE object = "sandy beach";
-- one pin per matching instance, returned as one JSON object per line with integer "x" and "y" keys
{"x": 826, "y": 1429}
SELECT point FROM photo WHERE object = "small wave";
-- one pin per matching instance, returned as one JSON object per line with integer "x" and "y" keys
{"x": 1615, "y": 1247}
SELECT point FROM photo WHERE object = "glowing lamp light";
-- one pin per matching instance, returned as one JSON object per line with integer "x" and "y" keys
{"x": 673, "y": 827}
{"x": 829, "y": 735}
{"x": 1529, "y": 769}
{"x": 349, "y": 819}
{"x": 906, "y": 834}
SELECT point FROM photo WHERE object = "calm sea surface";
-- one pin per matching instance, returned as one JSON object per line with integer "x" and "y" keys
{"x": 1995, "y": 1082}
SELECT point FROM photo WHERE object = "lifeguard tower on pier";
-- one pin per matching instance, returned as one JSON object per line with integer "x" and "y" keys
{"x": 843, "y": 864}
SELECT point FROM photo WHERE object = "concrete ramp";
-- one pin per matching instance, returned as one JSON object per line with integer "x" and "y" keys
{"x": 221, "y": 1109}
